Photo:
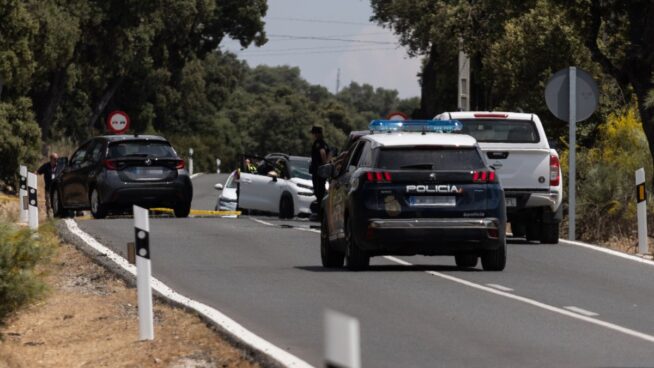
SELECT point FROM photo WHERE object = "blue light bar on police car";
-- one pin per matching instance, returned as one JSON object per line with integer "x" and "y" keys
{"x": 437, "y": 126}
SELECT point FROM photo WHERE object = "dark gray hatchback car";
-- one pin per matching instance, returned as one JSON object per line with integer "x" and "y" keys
{"x": 112, "y": 173}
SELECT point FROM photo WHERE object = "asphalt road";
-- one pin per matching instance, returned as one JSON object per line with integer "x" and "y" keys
{"x": 267, "y": 276}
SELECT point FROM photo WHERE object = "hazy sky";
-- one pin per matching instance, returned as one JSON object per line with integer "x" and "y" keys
{"x": 375, "y": 58}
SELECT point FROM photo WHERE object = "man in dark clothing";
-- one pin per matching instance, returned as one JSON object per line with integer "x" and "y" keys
{"x": 319, "y": 157}
{"x": 48, "y": 170}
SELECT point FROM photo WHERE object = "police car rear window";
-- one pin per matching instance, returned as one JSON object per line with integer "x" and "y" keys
{"x": 141, "y": 149}
{"x": 501, "y": 131}
{"x": 429, "y": 158}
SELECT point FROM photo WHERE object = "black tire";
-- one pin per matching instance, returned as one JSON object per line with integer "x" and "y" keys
{"x": 494, "y": 260}
{"x": 58, "y": 209}
{"x": 182, "y": 210}
{"x": 518, "y": 229}
{"x": 355, "y": 258}
{"x": 466, "y": 260}
{"x": 286, "y": 207}
{"x": 98, "y": 210}
{"x": 533, "y": 231}
{"x": 330, "y": 257}
{"x": 549, "y": 233}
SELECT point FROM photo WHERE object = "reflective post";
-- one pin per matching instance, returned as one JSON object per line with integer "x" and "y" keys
{"x": 342, "y": 341}
{"x": 143, "y": 273}
{"x": 641, "y": 199}
{"x": 32, "y": 198}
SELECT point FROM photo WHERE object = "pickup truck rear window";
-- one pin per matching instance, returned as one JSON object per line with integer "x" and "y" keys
{"x": 501, "y": 131}
{"x": 137, "y": 148}
{"x": 429, "y": 158}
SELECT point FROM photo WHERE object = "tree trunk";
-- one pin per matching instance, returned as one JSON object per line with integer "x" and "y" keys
{"x": 46, "y": 113}
{"x": 104, "y": 101}
{"x": 428, "y": 90}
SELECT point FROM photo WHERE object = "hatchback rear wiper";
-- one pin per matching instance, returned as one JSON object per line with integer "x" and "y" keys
{"x": 417, "y": 166}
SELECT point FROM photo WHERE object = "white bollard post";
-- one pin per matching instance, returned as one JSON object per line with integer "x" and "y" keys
{"x": 22, "y": 194}
{"x": 33, "y": 201}
{"x": 641, "y": 199}
{"x": 342, "y": 341}
{"x": 143, "y": 273}
{"x": 190, "y": 161}
{"x": 218, "y": 162}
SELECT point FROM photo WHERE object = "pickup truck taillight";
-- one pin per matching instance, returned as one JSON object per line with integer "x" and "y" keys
{"x": 555, "y": 166}
{"x": 483, "y": 176}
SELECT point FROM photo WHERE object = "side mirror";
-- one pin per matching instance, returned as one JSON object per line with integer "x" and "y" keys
{"x": 218, "y": 186}
{"x": 326, "y": 171}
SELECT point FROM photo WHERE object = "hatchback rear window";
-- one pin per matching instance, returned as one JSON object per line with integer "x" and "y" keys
{"x": 141, "y": 149}
{"x": 429, "y": 158}
{"x": 501, "y": 131}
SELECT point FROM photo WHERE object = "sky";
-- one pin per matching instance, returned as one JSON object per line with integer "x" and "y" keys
{"x": 370, "y": 54}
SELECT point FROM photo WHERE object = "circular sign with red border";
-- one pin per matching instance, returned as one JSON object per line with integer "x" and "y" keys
{"x": 118, "y": 122}
{"x": 397, "y": 116}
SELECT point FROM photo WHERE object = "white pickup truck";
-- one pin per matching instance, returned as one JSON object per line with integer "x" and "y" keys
{"x": 516, "y": 146}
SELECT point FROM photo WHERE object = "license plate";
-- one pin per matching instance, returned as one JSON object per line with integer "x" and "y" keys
{"x": 511, "y": 202}
{"x": 440, "y": 201}
{"x": 155, "y": 171}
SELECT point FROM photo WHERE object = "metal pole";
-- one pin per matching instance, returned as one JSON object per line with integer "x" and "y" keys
{"x": 32, "y": 197}
{"x": 342, "y": 341}
{"x": 573, "y": 153}
{"x": 641, "y": 199}
{"x": 23, "y": 193}
{"x": 143, "y": 273}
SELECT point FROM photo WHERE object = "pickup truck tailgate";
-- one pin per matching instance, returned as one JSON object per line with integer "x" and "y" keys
{"x": 519, "y": 168}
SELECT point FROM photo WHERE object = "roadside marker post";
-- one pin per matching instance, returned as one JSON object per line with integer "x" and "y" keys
{"x": 23, "y": 194}
{"x": 33, "y": 202}
{"x": 143, "y": 273}
{"x": 190, "y": 161}
{"x": 641, "y": 199}
{"x": 342, "y": 341}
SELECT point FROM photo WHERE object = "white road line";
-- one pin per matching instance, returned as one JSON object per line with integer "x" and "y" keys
{"x": 261, "y": 221}
{"x": 608, "y": 251}
{"x": 196, "y": 175}
{"x": 499, "y": 287}
{"x": 608, "y": 325}
{"x": 216, "y": 316}
{"x": 581, "y": 311}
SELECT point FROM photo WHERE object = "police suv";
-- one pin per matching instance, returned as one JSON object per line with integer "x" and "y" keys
{"x": 410, "y": 188}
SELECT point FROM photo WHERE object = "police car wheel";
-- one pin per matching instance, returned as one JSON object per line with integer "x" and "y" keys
{"x": 466, "y": 260}
{"x": 355, "y": 258}
{"x": 97, "y": 209}
{"x": 330, "y": 257}
{"x": 549, "y": 233}
{"x": 494, "y": 260}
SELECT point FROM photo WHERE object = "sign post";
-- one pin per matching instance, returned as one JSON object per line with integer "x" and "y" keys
{"x": 23, "y": 194}
{"x": 143, "y": 273}
{"x": 118, "y": 122}
{"x": 572, "y": 95}
{"x": 342, "y": 341}
{"x": 641, "y": 200}
{"x": 32, "y": 200}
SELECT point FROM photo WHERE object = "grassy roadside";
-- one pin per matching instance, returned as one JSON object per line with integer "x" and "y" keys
{"x": 88, "y": 318}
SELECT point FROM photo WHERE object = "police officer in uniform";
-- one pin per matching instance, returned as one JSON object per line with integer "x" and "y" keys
{"x": 319, "y": 156}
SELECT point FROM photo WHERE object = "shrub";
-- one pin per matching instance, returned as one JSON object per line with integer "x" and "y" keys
{"x": 20, "y": 138}
{"x": 20, "y": 252}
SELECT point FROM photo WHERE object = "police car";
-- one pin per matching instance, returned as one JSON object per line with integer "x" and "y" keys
{"x": 412, "y": 188}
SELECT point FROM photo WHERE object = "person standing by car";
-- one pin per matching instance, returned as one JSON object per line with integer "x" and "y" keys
{"x": 319, "y": 156}
{"x": 48, "y": 170}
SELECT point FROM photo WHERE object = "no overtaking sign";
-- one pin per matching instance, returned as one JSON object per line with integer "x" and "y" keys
{"x": 118, "y": 122}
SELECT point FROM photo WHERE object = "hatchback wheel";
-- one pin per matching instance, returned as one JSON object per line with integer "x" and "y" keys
{"x": 98, "y": 210}
{"x": 286, "y": 210}
{"x": 466, "y": 260}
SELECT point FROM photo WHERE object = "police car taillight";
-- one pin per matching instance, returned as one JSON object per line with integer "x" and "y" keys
{"x": 379, "y": 177}
{"x": 483, "y": 176}
{"x": 180, "y": 164}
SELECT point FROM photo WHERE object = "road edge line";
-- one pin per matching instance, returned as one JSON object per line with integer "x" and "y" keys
{"x": 210, "y": 314}
{"x": 196, "y": 175}
{"x": 612, "y": 252}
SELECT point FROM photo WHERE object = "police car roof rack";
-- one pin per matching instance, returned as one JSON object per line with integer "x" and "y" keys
{"x": 418, "y": 126}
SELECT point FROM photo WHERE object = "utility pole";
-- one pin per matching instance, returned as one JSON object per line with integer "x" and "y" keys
{"x": 338, "y": 80}
{"x": 463, "y": 99}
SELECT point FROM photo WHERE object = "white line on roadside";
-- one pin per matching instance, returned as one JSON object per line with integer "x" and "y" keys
{"x": 608, "y": 325}
{"x": 581, "y": 311}
{"x": 216, "y": 316}
{"x": 196, "y": 175}
{"x": 261, "y": 222}
{"x": 499, "y": 287}
{"x": 608, "y": 251}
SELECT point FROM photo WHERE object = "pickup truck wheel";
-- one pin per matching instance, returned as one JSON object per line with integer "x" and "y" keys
{"x": 330, "y": 257}
{"x": 549, "y": 233}
{"x": 355, "y": 258}
{"x": 466, "y": 260}
{"x": 533, "y": 231}
{"x": 286, "y": 210}
{"x": 494, "y": 260}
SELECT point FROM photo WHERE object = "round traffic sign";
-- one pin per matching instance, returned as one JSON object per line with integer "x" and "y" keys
{"x": 118, "y": 122}
{"x": 397, "y": 116}
{"x": 557, "y": 94}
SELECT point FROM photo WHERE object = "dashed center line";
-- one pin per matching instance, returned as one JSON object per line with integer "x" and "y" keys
{"x": 581, "y": 311}
{"x": 500, "y": 287}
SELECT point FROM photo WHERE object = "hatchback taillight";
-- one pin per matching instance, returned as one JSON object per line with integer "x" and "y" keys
{"x": 555, "y": 166}
{"x": 110, "y": 164}
{"x": 180, "y": 164}
{"x": 379, "y": 177}
{"x": 483, "y": 176}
